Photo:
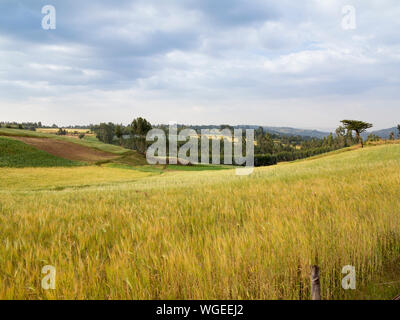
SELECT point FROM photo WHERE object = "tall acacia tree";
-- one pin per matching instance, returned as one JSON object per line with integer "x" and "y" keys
{"x": 358, "y": 127}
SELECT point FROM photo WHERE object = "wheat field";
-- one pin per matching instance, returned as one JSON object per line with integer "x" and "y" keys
{"x": 118, "y": 234}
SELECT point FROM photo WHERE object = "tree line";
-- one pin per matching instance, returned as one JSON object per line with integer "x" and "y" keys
{"x": 132, "y": 136}
{"x": 270, "y": 151}
{"x": 270, "y": 148}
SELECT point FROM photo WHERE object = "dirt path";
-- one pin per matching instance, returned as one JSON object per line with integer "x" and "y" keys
{"x": 67, "y": 150}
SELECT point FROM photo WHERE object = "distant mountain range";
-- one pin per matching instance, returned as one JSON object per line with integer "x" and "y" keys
{"x": 384, "y": 133}
{"x": 289, "y": 131}
{"x": 297, "y": 132}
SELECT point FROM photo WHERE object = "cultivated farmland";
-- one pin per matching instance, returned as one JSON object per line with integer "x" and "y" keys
{"x": 119, "y": 232}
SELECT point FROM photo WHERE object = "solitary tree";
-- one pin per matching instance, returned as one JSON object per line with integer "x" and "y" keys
{"x": 358, "y": 127}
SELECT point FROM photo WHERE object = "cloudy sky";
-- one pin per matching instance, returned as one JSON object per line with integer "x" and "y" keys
{"x": 278, "y": 63}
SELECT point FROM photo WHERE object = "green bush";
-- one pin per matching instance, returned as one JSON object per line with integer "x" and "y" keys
{"x": 264, "y": 160}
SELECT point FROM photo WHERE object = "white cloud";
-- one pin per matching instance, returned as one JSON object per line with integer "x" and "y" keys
{"x": 227, "y": 61}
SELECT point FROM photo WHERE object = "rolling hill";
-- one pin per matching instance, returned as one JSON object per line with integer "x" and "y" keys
{"x": 114, "y": 233}
{"x": 35, "y": 149}
{"x": 276, "y": 130}
{"x": 82, "y": 151}
{"x": 297, "y": 132}
{"x": 17, "y": 154}
{"x": 384, "y": 133}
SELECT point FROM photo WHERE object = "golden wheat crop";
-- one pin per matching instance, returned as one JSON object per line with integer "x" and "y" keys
{"x": 200, "y": 235}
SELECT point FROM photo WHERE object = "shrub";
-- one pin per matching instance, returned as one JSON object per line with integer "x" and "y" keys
{"x": 264, "y": 160}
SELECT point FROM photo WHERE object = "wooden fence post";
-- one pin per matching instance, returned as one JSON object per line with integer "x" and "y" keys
{"x": 315, "y": 283}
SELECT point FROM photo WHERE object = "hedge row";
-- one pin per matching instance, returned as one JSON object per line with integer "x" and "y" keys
{"x": 301, "y": 154}
{"x": 261, "y": 160}
{"x": 268, "y": 159}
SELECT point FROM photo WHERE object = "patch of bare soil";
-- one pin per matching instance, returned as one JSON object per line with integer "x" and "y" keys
{"x": 67, "y": 150}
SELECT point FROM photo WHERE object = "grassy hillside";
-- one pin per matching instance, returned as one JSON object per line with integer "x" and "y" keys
{"x": 120, "y": 157}
{"x": 17, "y": 154}
{"x": 87, "y": 141}
{"x": 93, "y": 142}
{"x": 209, "y": 234}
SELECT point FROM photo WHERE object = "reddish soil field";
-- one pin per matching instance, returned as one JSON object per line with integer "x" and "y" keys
{"x": 67, "y": 150}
